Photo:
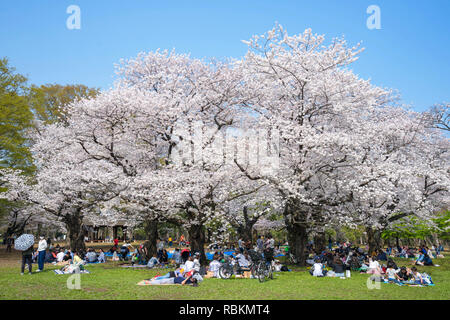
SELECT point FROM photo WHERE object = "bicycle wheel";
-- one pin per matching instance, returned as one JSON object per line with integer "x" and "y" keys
{"x": 271, "y": 271}
{"x": 225, "y": 273}
{"x": 253, "y": 270}
{"x": 261, "y": 272}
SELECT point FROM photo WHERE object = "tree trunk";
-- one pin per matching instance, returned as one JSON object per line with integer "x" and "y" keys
{"x": 319, "y": 242}
{"x": 151, "y": 232}
{"x": 75, "y": 229}
{"x": 298, "y": 239}
{"x": 197, "y": 242}
{"x": 373, "y": 239}
{"x": 245, "y": 232}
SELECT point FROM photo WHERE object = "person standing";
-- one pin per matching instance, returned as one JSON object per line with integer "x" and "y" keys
{"x": 260, "y": 244}
{"x": 241, "y": 245}
{"x": 159, "y": 247}
{"x": 182, "y": 240}
{"x": 27, "y": 259}
{"x": 41, "y": 253}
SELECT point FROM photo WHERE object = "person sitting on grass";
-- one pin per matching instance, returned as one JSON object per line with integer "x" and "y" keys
{"x": 189, "y": 264}
{"x": 242, "y": 260}
{"x": 76, "y": 259}
{"x": 113, "y": 249}
{"x": 67, "y": 256}
{"x": 60, "y": 256}
{"x": 196, "y": 260}
{"x": 91, "y": 256}
{"x": 422, "y": 258}
{"x": 391, "y": 274}
{"x": 416, "y": 276}
{"x": 164, "y": 256}
{"x": 374, "y": 266}
{"x": 427, "y": 261}
{"x": 185, "y": 255}
{"x": 101, "y": 257}
{"x": 153, "y": 262}
{"x": 177, "y": 256}
{"x": 404, "y": 274}
{"x": 338, "y": 268}
{"x": 381, "y": 255}
{"x": 354, "y": 262}
{"x": 214, "y": 266}
{"x": 317, "y": 269}
{"x": 124, "y": 250}
{"x": 75, "y": 263}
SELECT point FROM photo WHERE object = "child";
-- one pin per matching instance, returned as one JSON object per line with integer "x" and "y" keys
{"x": 416, "y": 276}
{"x": 391, "y": 274}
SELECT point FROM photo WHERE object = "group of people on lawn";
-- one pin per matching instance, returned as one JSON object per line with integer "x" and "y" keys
{"x": 343, "y": 259}
{"x": 330, "y": 262}
{"x": 47, "y": 253}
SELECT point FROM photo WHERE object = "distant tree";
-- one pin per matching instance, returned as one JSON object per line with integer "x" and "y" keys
{"x": 15, "y": 119}
{"x": 50, "y": 101}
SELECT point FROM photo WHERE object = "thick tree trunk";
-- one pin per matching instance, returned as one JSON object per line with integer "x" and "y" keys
{"x": 151, "y": 232}
{"x": 197, "y": 242}
{"x": 75, "y": 229}
{"x": 373, "y": 239}
{"x": 298, "y": 239}
{"x": 297, "y": 234}
{"x": 245, "y": 232}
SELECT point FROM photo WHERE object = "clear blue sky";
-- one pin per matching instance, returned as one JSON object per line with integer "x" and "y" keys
{"x": 410, "y": 53}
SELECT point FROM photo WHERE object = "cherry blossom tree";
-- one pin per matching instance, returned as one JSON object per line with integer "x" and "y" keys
{"x": 305, "y": 90}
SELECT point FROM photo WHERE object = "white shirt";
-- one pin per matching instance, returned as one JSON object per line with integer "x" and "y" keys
{"x": 42, "y": 245}
{"x": 60, "y": 256}
{"x": 196, "y": 265}
{"x": 214, "y": 267}
{"x": 391, "y": 273}
{"x": 317, "y": 269}
{"x": 243, "y": 262}
{"x": 374, "y": 265}
{"x": 270, "y": 243}
{"x": 188, "y": 266}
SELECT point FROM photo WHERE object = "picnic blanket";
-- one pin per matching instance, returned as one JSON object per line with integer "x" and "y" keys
{"x": 428, "y": 282}
{"x": 410, "y": 284}
{"x": 149, "y": 283}
{"x": 67, "y": 272}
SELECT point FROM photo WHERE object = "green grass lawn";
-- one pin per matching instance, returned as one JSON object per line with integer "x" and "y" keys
{"x": 110, "y": 281}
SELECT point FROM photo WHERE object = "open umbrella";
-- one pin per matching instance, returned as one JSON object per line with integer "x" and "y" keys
{"x": 24, "y": 242}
